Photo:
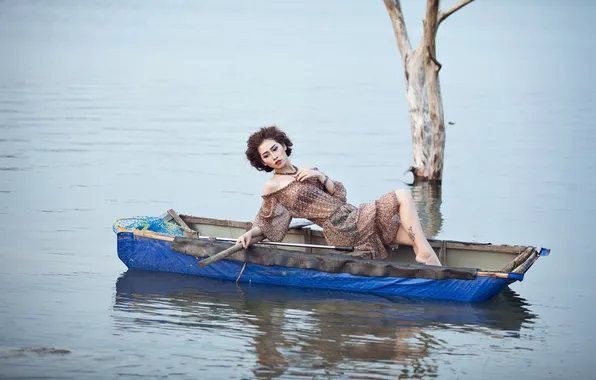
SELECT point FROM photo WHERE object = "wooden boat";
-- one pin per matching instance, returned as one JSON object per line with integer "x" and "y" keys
{"x": 471, "y": 272}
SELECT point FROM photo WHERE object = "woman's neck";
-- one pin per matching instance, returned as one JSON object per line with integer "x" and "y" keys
{"x": 287, "y": 168}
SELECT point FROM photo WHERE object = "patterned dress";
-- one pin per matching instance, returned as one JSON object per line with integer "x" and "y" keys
{"x": 366, "y": 228}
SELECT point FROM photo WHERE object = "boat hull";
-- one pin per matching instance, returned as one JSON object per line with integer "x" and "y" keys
{"x": 156, "y": 255}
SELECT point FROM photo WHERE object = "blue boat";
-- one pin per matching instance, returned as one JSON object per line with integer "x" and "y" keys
{"x": 472, "y": 272}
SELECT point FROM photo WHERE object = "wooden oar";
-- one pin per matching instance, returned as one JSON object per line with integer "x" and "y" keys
{"x": 227, "y": 252}
{"x": 158, "y": 236}
{"x": 187, "y": 230}
{"x": 170, "y": 238}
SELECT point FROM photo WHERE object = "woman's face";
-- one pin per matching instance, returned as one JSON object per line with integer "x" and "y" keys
{"x": 273, "y": 154}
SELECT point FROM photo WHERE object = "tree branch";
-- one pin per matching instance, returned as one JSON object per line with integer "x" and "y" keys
{"x": 399, "y": 27}
{"x": 455, "y": 8}
{"x": 432, "y": 58}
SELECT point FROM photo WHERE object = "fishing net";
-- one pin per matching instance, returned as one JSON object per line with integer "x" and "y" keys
{"x": 149, "y": 223}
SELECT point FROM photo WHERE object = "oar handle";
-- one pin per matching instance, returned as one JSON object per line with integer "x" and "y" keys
{"x": 344, "y": 248}
{"x": 227, "y": 252}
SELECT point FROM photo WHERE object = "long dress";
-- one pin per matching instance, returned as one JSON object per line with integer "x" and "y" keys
{"x": 366, "y": 228}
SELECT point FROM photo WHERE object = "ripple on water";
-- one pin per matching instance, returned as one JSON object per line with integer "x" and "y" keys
{"x": 25, "y": 351}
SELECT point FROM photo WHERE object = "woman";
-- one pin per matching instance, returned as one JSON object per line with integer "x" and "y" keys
{"x": 309, "y": 193}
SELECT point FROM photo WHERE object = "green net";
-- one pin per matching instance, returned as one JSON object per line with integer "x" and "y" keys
{"x": 149, "y": 223}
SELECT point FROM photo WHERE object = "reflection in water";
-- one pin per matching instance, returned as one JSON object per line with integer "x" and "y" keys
{"x": 427, "y": 197}
{"x": 298, "y": 331}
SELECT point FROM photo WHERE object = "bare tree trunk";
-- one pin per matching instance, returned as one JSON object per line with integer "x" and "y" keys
{"x": 435, "y": 102}
{"x": 423, "y": 89}
{"x": 420, "y": 126}
{"x": 413, "y": 61}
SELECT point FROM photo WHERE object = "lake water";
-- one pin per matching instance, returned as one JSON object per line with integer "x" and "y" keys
{"x": 111, "y": 109}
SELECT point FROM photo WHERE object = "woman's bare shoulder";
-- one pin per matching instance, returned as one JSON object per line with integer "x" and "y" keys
{"x": 271, "y": 185}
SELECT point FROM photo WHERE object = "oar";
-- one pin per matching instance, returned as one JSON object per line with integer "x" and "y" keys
{"x": 187, "y": 230}
{"x": 238, "y": 247}
{"x": 169, "y": 238}
{"x": 227, "y": 252}
{"x": 343, "y": 248}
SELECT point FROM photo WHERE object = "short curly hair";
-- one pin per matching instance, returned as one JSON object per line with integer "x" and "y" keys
{"x": 256, "y": 139}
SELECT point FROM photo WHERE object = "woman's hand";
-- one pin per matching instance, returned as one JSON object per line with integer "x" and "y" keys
{"x": 245, "y": 239}
{"x": 305, "y": 174}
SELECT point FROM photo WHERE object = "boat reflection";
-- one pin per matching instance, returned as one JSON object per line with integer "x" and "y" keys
{"x": 298, "y": 329}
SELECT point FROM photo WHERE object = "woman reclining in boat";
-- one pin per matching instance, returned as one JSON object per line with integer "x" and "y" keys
{"x": 309, "y": 193}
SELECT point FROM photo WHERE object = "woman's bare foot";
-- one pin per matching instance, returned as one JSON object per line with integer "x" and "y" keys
{"x": 428, "y": 257}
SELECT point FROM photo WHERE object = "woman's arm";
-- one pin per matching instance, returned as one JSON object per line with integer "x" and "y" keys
{"x": 314, "y": 172}
{"x": 326, "y": 183}
{"x": 246, "y": 237}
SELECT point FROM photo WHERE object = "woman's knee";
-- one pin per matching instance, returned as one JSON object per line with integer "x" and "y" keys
{"x": 403, "y": 195}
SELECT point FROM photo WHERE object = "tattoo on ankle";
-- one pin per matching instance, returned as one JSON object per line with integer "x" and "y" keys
{"x": 411, "y": 233}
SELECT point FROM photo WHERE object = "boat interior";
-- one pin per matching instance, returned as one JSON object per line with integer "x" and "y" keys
{"x": 485, "y": 256}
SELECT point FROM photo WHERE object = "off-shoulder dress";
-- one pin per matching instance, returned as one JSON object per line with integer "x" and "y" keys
{"x": 368, "y": 227}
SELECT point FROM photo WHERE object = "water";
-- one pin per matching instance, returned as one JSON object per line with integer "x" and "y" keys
{"x": 113, "y": 109}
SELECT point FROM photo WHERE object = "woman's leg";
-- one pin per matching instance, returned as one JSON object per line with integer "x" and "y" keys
{"x": 410, "y": 231}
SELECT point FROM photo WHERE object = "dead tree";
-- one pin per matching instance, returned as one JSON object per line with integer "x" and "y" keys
{"x": 423, "y": 89}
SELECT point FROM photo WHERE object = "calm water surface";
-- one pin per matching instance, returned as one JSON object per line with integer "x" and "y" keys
{"x": 112, "y": 109}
